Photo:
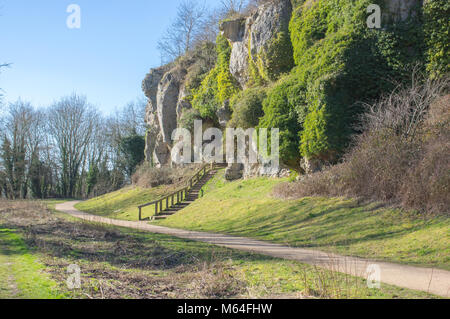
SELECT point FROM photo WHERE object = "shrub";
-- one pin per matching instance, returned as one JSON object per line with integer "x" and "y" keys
{"x": 339, "y": 63}
{"x": 147, "y": 176}
{"x": 279, "y": 112}
{"x": 187, "y": 119}
{"x": 437, "y": 26}
{"x": 247, "y": 108}
{"x": 402, "y": 157}
{"x": 218, "y": 85}
{"x": 198, "y": 64}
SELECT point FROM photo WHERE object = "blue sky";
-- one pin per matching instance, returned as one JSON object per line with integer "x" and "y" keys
{"x": 105, "y": 60}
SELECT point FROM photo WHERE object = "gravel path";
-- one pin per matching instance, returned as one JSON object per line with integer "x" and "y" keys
{"x": 434, "y": 281}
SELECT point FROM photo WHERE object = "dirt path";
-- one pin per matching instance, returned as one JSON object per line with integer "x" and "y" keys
{"x": 425, "y": 279}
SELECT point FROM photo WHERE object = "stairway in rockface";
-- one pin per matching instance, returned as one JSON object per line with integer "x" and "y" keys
{"x": 193, "y": 195}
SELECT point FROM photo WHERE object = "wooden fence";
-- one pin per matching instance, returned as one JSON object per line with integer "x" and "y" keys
{"x": 180, "y": 195}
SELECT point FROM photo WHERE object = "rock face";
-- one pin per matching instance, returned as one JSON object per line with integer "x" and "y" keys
{"x": 224, "y": 114}
{"x": 162, "y": 88}
{"x": 167, "y": 102}
{"x": 150, "y": 89}
{"x": 253, "y": 36}
{"x": 165, "y": 86}
{"x": 400, "y": 10}
{"x": 266, "y": 170}
{"x": 234, "y": 171}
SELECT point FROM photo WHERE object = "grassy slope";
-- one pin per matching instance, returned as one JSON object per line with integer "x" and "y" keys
{"x": 21, "y": 274}
{"x": 123, "y": 203}
{"x": 246, "y": 208}
{"x": 124, "y": 263}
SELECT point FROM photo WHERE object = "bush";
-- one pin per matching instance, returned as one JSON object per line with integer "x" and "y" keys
{"x": 402, "y": 157}
{"x": 188, "y": 118}
{"x": 340, "y": 62}
{"x": 247, "y": 108}
{"x": 279, "y": 112}
{"x": 218, "y": 85}
{"x": 437, "y": 26}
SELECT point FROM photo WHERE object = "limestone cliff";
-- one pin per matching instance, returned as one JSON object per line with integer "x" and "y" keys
{"x": 334, "y": 68}
{"x": 253, "y": 38}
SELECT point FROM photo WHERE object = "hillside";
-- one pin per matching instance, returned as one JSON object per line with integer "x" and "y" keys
{"x": 372, "y": 230}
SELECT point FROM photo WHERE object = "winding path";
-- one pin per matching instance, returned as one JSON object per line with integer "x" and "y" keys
{"x": 434, "y": 281}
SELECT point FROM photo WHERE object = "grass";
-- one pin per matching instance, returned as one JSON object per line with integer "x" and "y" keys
{"x": 371, "y": 230}
{"x": 123, "y": 263}
{"x": 21, "y": 274}
{"x": 123, "y": 204}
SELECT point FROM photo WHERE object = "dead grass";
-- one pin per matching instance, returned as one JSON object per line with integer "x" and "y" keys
{"x": 118, "y": 263}
{"x": 148, "y": 177}
{"x": 115, "y": 264}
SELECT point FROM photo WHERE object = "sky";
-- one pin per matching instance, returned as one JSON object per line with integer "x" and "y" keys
{"x": 106, "y": 59}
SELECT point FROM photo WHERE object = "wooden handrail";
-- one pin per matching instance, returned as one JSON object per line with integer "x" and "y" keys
{"x": 181, "y": 194}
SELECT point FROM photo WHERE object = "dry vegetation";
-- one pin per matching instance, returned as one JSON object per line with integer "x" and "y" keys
{"x": 116, "y": 263}
{"x": 402, "y": 157}
{"x": 148, "y": 177}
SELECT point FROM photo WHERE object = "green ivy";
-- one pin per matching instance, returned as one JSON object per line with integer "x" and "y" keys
{"x": 218, "y": 86}
{"x": 437, "y": 28}
{"x": 339, "y": 62}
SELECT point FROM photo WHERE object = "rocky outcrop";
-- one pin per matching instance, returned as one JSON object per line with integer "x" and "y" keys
{"x": 400, "y": 10}
{"x": 224, "y": 114}
{"x": 265, "y": 170}
{"x": 233, "y": 30}
{"x": 167, "y": 102}
{"x": 254, "y": 36}
{"x": 162, "y": 88}
{"x": 234, "y": 171}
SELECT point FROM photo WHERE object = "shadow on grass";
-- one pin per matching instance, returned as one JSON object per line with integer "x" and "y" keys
{"x": 121, "y": 247}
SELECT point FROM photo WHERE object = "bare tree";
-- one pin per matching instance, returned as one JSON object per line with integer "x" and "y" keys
{"x": 181, "y": 36}
{"x": 231, "y": 7}
{"x": 72, "y": 122}
{"x": 209, "y": 28}
{"x": 19, "y": 141}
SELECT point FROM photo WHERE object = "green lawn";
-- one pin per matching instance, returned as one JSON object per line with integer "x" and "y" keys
{"x": 246, "y": 208}
{"x": 37, "y": 246}
{"x": 123, "y": 204}
{"x": 22, "y": 276}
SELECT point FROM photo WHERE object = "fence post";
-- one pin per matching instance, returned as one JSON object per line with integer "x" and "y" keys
{"x": 140, "y": 213}
{"x": 156, "y": 209}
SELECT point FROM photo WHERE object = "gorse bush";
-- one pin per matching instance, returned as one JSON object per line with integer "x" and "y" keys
{"x": 402, "y": 156}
